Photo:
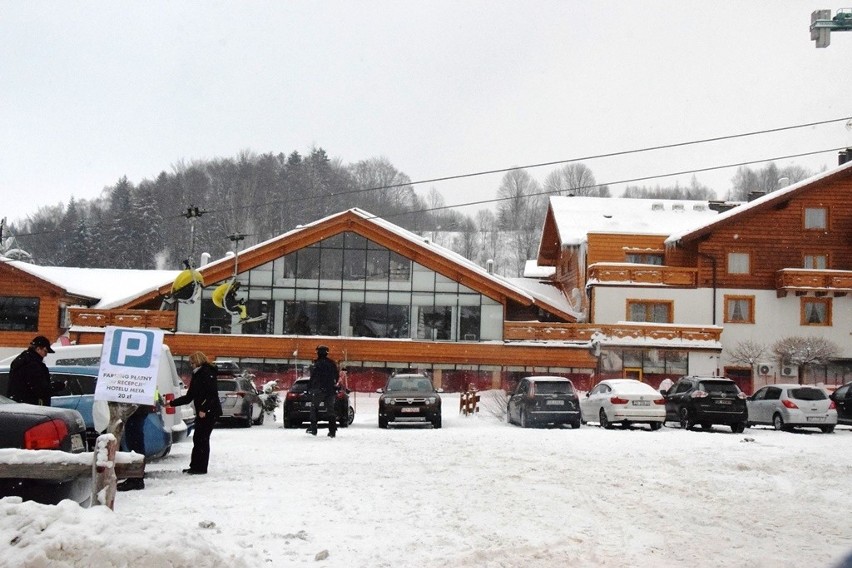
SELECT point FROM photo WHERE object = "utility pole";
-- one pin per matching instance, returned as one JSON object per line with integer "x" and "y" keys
{"x": 192, "y": 214}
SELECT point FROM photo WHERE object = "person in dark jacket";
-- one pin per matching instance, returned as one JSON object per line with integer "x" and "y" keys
{"x": 203, "y": 392}
{"x": 322, "y": 387}
{"x": 29, "y": 379}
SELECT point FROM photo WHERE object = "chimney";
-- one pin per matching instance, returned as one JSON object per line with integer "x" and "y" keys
{"x": 489, "y": 266}
{"x": 205, "y": 258}
{"x": 844, "y": 156}
{"x": 752, "y": 195}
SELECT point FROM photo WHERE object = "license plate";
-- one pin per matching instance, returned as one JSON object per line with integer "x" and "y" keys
{"x": 723, "y": 401}
{"x": 76, "y": 443}
{"x": 816, "y": 418}
{"x": 555, "y": 403}
{"x": 641, "y": 403}
{"x": 410, "y": 409}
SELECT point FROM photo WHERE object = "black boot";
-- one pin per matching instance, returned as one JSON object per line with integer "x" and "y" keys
{"x": 131, "y": 484}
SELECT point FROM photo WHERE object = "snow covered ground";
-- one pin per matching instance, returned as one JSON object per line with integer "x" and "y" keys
{"x": 477, "y": 492}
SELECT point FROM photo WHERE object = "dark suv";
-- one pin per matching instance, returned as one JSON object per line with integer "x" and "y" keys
{"x": 409, "y": 398}
{"x": 842, "y": 398}
{"x": 707, "y": 401}
{"x": 297, "y": 406}
{"x": 544, "y": 400}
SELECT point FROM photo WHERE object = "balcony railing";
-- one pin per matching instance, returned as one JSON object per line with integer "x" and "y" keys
{"x": 538, "y": 331}
{"x": 800, "y": 280}
{"x": 620, "y": 272}
{"x": 123, "y": 318}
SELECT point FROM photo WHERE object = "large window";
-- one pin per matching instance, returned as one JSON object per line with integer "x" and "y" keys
{"x": 815, "y": 261}
{"x": 655, "y": 311}
{"x": 636, "y": 257}
{"x": 379, "y": 320}
{"x": 18, "y": 313}
{"x": 311, "y": 318}
{"x": 739, "y": 309}
{"x": 816, "y": 311}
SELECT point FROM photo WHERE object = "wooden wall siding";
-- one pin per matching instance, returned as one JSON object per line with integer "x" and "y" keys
{"x": 124, "y": 318}
{"x": 537, "y": 331}
{"x": 15, "y": 282}
{"x": 568, "y": 273}
{"x": 369, "y": 350}
{"x": 644, "y": 274}
{"x": 608, "y": 247}
{"x": 836, "y": 282}
{"x": 776, "y": 239}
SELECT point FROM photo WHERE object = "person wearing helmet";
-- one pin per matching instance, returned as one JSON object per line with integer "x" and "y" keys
{"x": 322, "y": 387}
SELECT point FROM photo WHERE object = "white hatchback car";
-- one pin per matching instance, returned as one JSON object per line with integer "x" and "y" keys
{"x": 785, "y": 406}
{"x": 624, "y": 401}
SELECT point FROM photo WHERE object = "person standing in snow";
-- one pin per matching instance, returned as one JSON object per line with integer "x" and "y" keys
{"x": 203, "y": 392}
{"x": 29, "y": 379}
{"x": 322, "y": 387}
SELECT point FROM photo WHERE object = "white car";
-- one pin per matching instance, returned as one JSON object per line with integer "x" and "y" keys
{"x": 786, "y": 406}
{"x": 624, "y": 401}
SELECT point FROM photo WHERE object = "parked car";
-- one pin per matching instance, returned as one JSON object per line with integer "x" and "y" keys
{"x": 707, "y": 401}
{"x": 31, "y": 427}
{"x": 178, "y": 421}
{"x": 409, "y": 399}
{"x": 240, "y": 401}
{"x": 297, "y": 406}
{"x": 538, "y": 401}
{"x": 624, "y": 401}
{"x": 79, "y": 395}
{"x": 786, "y": 406}
{"x": 842, "y": 397}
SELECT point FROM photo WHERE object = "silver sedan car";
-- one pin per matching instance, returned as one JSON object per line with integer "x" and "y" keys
{"x": 624, "y": 401}
{"x": 785, "y": 406}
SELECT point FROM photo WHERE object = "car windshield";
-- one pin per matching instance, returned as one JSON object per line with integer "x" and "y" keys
{"x": 554, "y": 387}
{"x": 808, "y": 394}
{"x": 719, "y": 387}
{"x": 4, "y": 400}
{"x": 421, "y": 384}
{"x": 227, "y": 385}
{"x": 299, "y": 386}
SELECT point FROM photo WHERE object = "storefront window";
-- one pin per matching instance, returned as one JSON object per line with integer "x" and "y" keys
{"x": 18, "y": 313}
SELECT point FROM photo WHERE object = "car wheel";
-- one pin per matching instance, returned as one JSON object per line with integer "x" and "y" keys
{"x": 350, "y": 416}
{"x": 685, "y": 419}
{"x": 383, "y": 422}
{"x": 656, "y": 425}
{"x": 248, "y": 421}
{"x": 738, "y": 428}
{"x": 778, "y": 422}
{"x": 576, "y": 424}
{"x": 706, "y": 425}
{"x": 604, "y": 421}
{"x": 827, "y": 429}
{"x": 436, "y": 422}
{"x": 260, "y": 419}
{"x": 288, "y": 423}
{"x": 524, "y": 419}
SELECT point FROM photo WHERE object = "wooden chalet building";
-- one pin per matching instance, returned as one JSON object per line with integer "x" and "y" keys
{"x": 647, "y": 289}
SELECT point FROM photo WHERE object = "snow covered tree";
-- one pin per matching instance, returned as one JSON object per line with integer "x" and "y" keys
{"x": 574, "y": 179}
{"x": 747, "y": 352}
{"x": 804, "y": 352}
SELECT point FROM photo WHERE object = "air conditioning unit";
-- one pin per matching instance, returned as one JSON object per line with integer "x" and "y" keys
{"x": 788, "y": 371}
{"x": 763, "y": 370}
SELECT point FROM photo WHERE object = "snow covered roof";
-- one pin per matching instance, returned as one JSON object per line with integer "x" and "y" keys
{"x": 533, "y": 270}
{"x": 761, "y": 202}
{"x": 547, "y": 293}
{"x": 109, "y": 286}
{"x": 576, "y": 217}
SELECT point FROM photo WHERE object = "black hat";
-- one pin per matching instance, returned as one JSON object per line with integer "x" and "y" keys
{"x": 41, "y": 341}
{"x": 322, "y": 350}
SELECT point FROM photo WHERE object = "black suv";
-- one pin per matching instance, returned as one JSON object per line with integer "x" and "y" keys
{"x": 707, "y": 401}
{"x": 297, "y": 406}
{"x": 842, "y": 398}
{"x": 409, "y": 398}
{"x": 544, "y": 400}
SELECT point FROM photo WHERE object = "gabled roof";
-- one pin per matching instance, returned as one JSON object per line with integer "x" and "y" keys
{"x": 768, "y": 201}
{"x": 98, "y": 287}
{"x": 570, "y": 220}
{"x": 410, "y": 245}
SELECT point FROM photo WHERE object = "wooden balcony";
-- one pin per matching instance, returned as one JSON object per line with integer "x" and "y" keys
{"x": 802, "y": 281}
{"x": 626, "y": 273}
{"x": 124, "y": 318}
{"x": 538, "y": 331}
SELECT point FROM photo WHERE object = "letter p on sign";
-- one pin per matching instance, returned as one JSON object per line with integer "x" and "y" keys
{"x": 132, "y": 348}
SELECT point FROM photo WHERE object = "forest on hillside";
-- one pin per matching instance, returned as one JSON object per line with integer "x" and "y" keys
{"x": 202, "y": 206}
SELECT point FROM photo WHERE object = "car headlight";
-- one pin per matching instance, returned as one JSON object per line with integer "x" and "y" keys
{"x": 390, "y": 401}
{"x": 431, "y": 400}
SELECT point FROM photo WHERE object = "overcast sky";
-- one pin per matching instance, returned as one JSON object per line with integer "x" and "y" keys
{"x": 92, "y": 91}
